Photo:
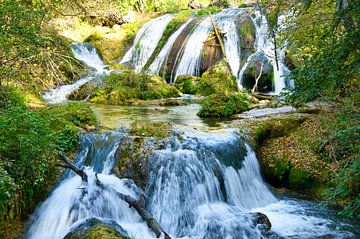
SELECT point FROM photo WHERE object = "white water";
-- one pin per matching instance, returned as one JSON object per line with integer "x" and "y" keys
{"x": 88, "y": 55}
{"x": 146, "y": 41}
{"x": 264, "y": 44}
{"x": 161, "y": 58}
{"x": 191, "y": 54}
{"x": 202, "y": 185}
{"x": 188, "y": 60}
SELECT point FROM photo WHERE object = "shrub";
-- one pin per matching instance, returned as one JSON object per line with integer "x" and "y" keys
{"x": 224, "y": 105}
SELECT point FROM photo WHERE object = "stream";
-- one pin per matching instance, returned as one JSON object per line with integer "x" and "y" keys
{"x": 203, "y": 183}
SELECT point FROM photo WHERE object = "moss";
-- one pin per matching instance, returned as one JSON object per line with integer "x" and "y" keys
{"x": 187, "y": 84}
{"x": 212, "y": 10}
{"x": 126, "y": 87}
{"x": 216, "y": 79}
{"x": 79, "y": 114}
{"x": 147, "y": 128}
{"x": 223, "y": 105}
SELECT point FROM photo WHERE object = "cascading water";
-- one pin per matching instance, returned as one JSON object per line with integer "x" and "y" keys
{"x": 146, "y": 41}
{"x": 264, "y": 44}
{"x": 188, "y": 59}
{"x": 200, "y": 185}
{"x": 73, "y": 202}
{"x": 160, "y": 59}
{"x": 88, "y": 55}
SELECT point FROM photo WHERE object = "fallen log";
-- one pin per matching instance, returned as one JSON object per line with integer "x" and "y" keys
{"x": 137, "y": 204}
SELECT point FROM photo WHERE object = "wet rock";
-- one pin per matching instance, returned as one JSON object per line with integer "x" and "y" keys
{"x": 133, "y": 153}
{"x": 211, "y": 53}
{"x": 247, "y": 36}
{"x": 171, "y": 61}
{"x": 266, "y": 81}
{"x": 263, "y": 220}
{"x": 84, "y": 92}
{"x": 94, "y": 229}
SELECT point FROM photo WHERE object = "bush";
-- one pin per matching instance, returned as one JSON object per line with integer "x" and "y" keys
{"x": 224, "y": 105}
{"x": 29, "y": 141}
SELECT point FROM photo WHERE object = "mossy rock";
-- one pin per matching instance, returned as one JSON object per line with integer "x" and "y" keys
{"x": 133, "y": 153}
{"x": 146, "y": 128}
{"x": 216, "y": 79}
{"x": 126, "y": 87}
{"x": 187, "y": 84}
{"x": 84, "y": 92}
{"x": 95, "y": 229}
{"x": 223, "y": 105}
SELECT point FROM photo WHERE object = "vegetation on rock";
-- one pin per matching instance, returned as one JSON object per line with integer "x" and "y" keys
{"x": 125, "y": 87}
{"x": 224, "y": 105}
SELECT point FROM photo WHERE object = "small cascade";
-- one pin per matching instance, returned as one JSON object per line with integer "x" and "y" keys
{"x": 146, "y": 41}
{"x": 265, "y": 45}
{"x": 89, "y": 56}
{"x": 74, "y": 202}
{"x": 161, "y": 58}
{"x": 200, "y": 185}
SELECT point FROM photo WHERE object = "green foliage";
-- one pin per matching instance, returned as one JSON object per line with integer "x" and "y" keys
{"x": 344, "y": 189}
{"x": 28, "y": 144}
{"x": 10, "y": 97}
{"x": 127, "y": 86}
{"x": 202, "y": 12}
{"x": 187, "y": 84}
{"x": 216, "y": 79}
{"x": 224, "y": 105}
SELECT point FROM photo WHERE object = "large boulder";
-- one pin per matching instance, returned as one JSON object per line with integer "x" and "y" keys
{"x": 266, "y": 81}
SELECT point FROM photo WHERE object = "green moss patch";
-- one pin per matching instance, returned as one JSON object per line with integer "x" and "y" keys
{"x": 223, "y": 105}
{"x": 147, "y": 128}
{"x": 126, "y": 87}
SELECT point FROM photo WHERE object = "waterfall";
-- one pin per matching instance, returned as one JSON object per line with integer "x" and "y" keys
{"x": 190, "y": 59}
{"x": 200, "y": 185}
{"x": 161, "y": 58}
{"x": 88, "y": 55}
{"x": 264, "y": 44}
{"x": 146, "y": 41}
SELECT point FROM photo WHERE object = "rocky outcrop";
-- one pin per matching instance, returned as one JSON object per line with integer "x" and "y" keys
{"x": 286, "y": 146}
{"x": 266, "y": 81}
{"x": 211, "y": 53}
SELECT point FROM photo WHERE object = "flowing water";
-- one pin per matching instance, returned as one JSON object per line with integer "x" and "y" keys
{"x": 146, "y": 41}
{"x": 188, "y": 59}
{"x": 88, "y": 55}
{"x": 200, "y": 185}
